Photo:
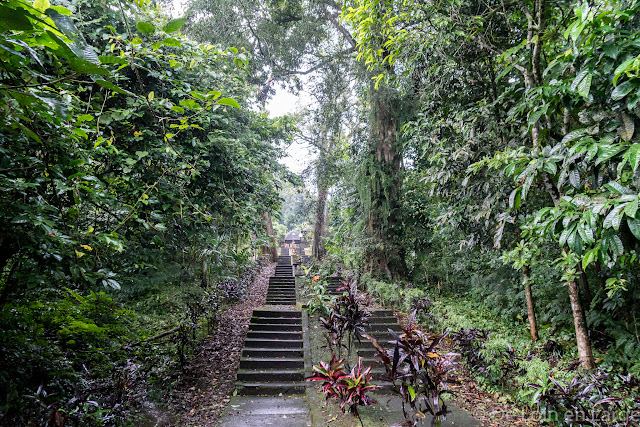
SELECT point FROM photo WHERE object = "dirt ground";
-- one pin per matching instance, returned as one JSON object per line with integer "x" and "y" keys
{"x": 209, "y": 382}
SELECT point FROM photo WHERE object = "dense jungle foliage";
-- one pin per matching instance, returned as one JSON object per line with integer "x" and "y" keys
{"x": 133, "y": 175}
{"x": 477, "y": 162}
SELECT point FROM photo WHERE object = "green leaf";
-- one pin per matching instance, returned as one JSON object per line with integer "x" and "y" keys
{"x": 631, "y": 208}
{"x": 61, "y": 10}
{"x": 109, "y": 85}
{"x": 573, "y": 135}
{"x": 41, "y": 5}
{"x": 623, "y": 89}
{"x": 634, "y": 226}
{"x": 585, "y": 85}
{"x": 112, "y": 60}
{"x": 582, "y": 82}
{"x": 412, "y": 393}
{"x": 174, "y": 25}
{"x": 618, "y": 244}
{"x": 171, "y": 42}
{"x": 228, "y": 101}
{"x": 621, "y": 69}
{"x": 14, "y": 19}
{"x": 146, "y": 27}
{"x": 612, "y": 220}
{"x": 589, "y": 257}
{"x": 606, "y": 152}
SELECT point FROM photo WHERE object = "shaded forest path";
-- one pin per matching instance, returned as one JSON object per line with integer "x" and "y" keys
{"x": 279, "y": 354}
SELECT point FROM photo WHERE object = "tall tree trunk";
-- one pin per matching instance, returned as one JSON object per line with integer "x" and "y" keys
{"x": 531, "y": 308}
{"x": 385, "y": 255}
{"x": 318, "y": 250}
{"x": 271, "y": 248}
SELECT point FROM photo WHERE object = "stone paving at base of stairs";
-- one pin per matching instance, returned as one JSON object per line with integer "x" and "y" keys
{"x": 388, "y": 411}
{"x": 254, "y": 411}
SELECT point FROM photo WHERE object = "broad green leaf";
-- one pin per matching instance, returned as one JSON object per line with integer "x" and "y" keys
{"x": 61, "y": 10}
{"x": 634, "y": 226}
{"x": 146, "y": 27}
{"x": 612, "y": 220}
{"x": 585, "y": 85}
{"x": 631, "y": 208}
{"x": 621, "y": 69}
{"x": 228, "y": 101}
{"x": 623, "y": 89}
{"x": 174, "y": 25}
{"x": 109, "y": 85}
{"x": 606, "y": 152}
{"x": 618, "y": 245}
{"x": 171, "y": 42}
{"x": 14, "y": 19}
{"x": 582, "y": 82}
{"x": 112, "y": 60}
{"x": 618, "y": 189}
{"x": 573, "y": 135}
{"x": 589, "y": 257}
{"x": 41, "y": 5}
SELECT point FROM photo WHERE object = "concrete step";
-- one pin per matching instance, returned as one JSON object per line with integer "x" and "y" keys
{"x": 272, "y": 352}
{"x": 285, "y": 301}
{"x": 275, "y": 327}
{"x": 273, "y": 320}
{"x": 269, "y": 343}
{"x": 270, "y": 388}
{"x": 271, "y": 363}
{"x": 278, "y": 313}
{"x": 383, "y": 327}
{"x": 382, "y": 319}
{"x": 366, "y": 344}
{"x": 382, "y": 313}
{"x": 267, "y": 375}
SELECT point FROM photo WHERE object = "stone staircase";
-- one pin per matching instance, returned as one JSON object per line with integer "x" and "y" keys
{"x": 380, "y": 322}
{"x": 333, "y": 283}
{"x": 272, "y": 360}
{"x": 282, "y": 286}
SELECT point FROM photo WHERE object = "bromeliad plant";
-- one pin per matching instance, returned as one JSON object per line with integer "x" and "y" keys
{"x": 417, "y": 370}
{"x": 350, "y": 389}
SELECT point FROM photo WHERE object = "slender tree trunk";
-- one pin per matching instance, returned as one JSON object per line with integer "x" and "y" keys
{"x": 585, "y": 290}
{"x": 318, "y": 228}
{"x": 580, "y": 323}
{"x": 531, "y": 311}
{"x": 534, "y": 77}
{"x": 271, "y": 248}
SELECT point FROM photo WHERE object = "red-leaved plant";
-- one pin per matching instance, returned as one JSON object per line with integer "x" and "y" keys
{"x": 417, "y": 370}
{"x": 350, "y": 389}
